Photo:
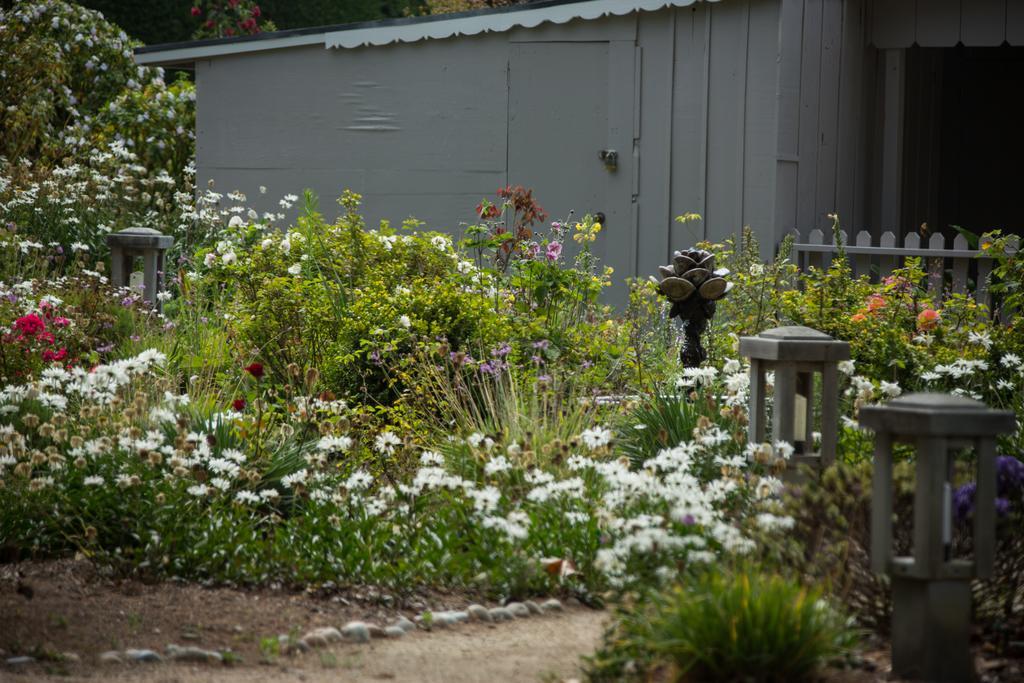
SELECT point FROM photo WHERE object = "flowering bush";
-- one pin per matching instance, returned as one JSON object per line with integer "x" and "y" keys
{"x": 76, "y": 320}
{"x": 46, "y": 214}
{"x": 135, "y": 474}
{"x": 61, "y": 65}
{"x": 226, "y": 18}
{"x": 156, "y": 122}
{"x": 345, "y": 300}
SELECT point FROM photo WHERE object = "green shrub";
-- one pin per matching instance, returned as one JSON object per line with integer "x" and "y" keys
{"x": 348, "y": 301}
{"x": 742, "y": 625}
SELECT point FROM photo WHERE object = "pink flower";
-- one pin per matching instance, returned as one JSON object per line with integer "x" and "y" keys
{"x": 928, "y": 319}
{"x": 196, "y": 11}
{"x": 554, "y": 251}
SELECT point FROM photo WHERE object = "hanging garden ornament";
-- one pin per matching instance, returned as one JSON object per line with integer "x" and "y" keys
{"x": 693, "y": 286}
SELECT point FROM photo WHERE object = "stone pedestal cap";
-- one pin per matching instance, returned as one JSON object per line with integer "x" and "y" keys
{"x": 794, "y": 343}
{"x": 139, "y": 238}
{"x": 934, "y": 414}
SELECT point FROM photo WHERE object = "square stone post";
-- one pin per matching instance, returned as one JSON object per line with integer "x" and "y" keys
{"x": 151, "y": 246}
{"x": 931, "y": 589}
{"x": 796, "y": 354}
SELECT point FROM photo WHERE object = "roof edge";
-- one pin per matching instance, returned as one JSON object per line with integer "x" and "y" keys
{"x": 410, "y": 29}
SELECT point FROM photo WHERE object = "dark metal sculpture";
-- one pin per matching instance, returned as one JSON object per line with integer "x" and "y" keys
{"x": 693, "y": 287}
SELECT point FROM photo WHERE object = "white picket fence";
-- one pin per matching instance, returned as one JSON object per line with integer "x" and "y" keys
{"x": 949, "y": 269}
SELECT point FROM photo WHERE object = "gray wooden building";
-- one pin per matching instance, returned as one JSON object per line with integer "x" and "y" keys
{"x": 767, "y": 113}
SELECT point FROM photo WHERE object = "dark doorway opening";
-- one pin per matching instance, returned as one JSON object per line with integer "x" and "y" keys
{"x": 963, "y": 144}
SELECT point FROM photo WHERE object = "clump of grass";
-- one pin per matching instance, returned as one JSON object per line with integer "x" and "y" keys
{"x": 741, "y": 625}
{"x": 661, "y": 420}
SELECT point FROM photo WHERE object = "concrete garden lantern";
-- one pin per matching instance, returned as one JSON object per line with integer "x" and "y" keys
{"x": 796, "y": 354}
{"x": 931, "y": 592}
{"x": 144, "y": 243}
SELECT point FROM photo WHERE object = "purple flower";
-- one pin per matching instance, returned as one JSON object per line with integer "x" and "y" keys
{"x": 106, "y": 348}
{"x": 554, "y": 251}
{"x": 375, "y": 357}
{"x": 1002, "y": 507}
{"x": 501, "y": 351}
{"x": 541, "y": 345}
{"x": 1009, "y": 475}
{"x": 688, "y": 520}
{"x": 963, "y": 501}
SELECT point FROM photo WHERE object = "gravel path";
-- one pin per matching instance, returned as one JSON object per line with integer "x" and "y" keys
{"x": 545, "y": 648}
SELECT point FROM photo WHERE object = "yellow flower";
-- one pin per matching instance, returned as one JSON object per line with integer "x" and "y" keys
{"x": 596, "y": 227}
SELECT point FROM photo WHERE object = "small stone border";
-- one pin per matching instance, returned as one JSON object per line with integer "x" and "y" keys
{"x": 358, "y": 632}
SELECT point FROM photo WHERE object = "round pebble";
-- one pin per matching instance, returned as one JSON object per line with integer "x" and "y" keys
{"x": 314, "y": 640}
{"x": 405, "y": 624}
{"x": 329, "y": 633}
{"x": 376, "y": 631}
{"x": 356, "y": 631}
{"x": 518, "y": 609}
{"x": 193, "y": 654}
{"x": 533, "y": 607}
{"x": 20, "y": 660}
{"x": 552, "y": 605}
{"x": 459, "y": 616}
{"x": 501, "y": 614}
{"x": 394, "y": 631}
{"x": 111, "y": 657}
{"x": 479, "y": 613}
{"x": 142, "y": 656}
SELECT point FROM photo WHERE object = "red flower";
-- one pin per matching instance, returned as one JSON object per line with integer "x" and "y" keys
{"x": 29, "y": 325}
{"x": 196, "y": 11}
{"x": 255, "y": 369}
{"x": 238, "y": 404}
{"x": 46, "y": 337}
{"x": 256, "y": 11}
{"x": 232, "y": 3}
{"x": 210, "y": 23}
{"x": 49, "y": 355}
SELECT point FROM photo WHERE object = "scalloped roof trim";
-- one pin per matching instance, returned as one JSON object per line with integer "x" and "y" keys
{"x": 496, "y": 22}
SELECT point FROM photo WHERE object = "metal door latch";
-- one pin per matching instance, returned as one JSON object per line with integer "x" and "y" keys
{"x": 610, "y": 158}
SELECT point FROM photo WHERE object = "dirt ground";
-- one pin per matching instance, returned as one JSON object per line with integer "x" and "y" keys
{"x": 49, "y": 609}
{"x": 73, "y": 609}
